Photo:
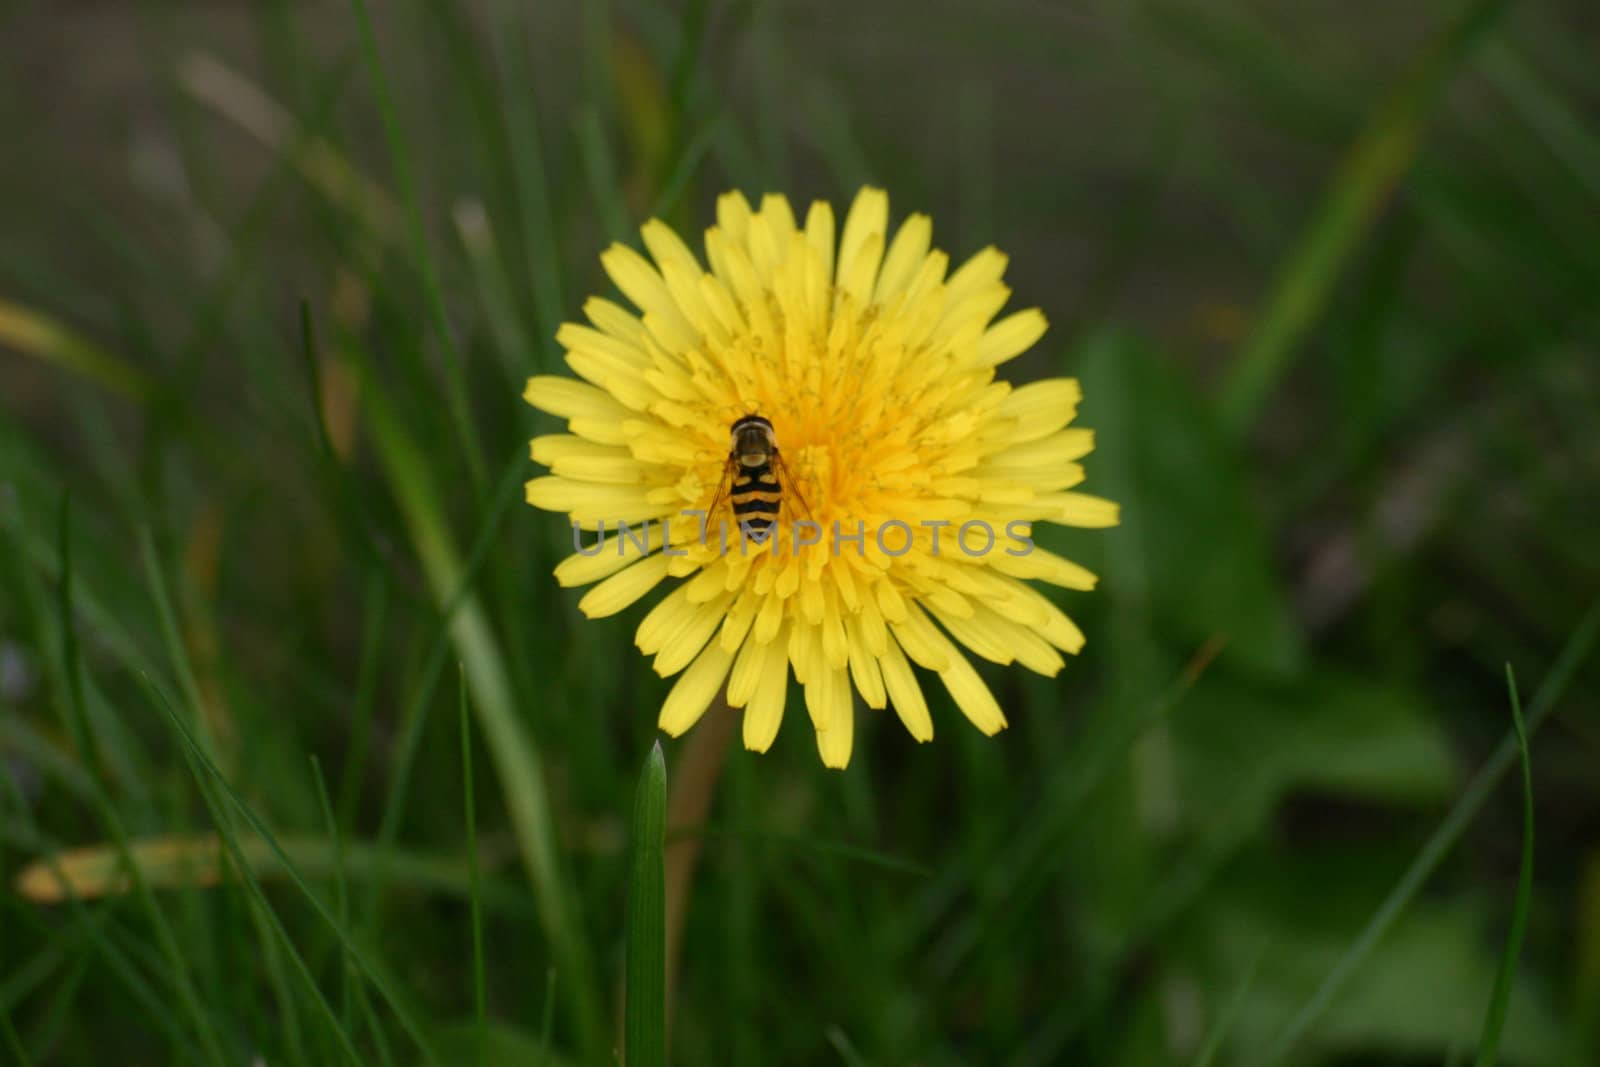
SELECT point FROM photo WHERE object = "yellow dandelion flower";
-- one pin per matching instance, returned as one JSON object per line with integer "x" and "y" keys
{"x": 811, "y": 438}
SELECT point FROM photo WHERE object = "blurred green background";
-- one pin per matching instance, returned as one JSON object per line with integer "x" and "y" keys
{"x": 1330, "y": 273}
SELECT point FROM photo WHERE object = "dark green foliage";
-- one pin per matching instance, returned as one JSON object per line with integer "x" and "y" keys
{"x": 1329, "y": 274}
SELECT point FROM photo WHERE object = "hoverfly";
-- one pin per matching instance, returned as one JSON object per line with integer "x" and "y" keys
{"x": 755, "y": 477}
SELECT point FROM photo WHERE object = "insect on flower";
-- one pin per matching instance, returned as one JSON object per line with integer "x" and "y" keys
{"x": 836, "y": 396}
{"x": 757, "y": 475}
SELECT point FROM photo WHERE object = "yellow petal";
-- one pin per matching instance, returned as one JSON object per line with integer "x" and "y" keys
{"x": 614, "y": 320}
{"x": 547, "y": 448}
{"x": 620, "y": 354}
{"x": 828, "y": 700}
{"x": 663, "y": 620}
{"x": 856, "y": 274}
{"x": 819, "y": 233}
{"x": 606, "y": 557}
{"x": 747, "y": 664}
{"x": 987, "y": 641}
{"x": 981, "y": 270}
{"x": 864, "y": 670}
{"x": 904, "y": 258}
{"x": 592, "y": 504}
{"x": 695, "y": 690}
{"x": 905, "y": 692}
{"x": 1078, "y": 509}
{"x": 999, "y": 640}
{"x": 972, "y": 696}
{"x": 741, "y": 617}
{"x": 868, "y": 218}
{"x": 1039, "y": 409}
{"x": 922, "y": 640}
{"x": 1055, "y": 627}
{"x": 1045, "y": 566}
{"x": 666, "y": 247}
{"x": 572, "y": 399}
{"x": 831, "y": 626}
{"x": 764, "y": 713}
{"x": 962, "y": 325}
{"x": 620, "y": 590}
{"x": 733, "y": 216}
{"x": 1011, "y": 336}
{"x": 779, "y": 215}
{"x": 691, "y": 637}
{"x": 641, "y": 284}
{"x": 805, "y": 652}
{"x": 890, "y": 602}
{"x": 1060, "y": 447}
{"x": 768, "y": 619}
{"x": 873, "y": 630}
{"x": 617, "y": 468}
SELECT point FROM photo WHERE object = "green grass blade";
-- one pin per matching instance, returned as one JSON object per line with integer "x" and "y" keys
{"x": 479, "y": 996}
{"x": 516, "y": 758}
{"x": 13, "y": 1043}
{"x": 1376, "y": 163}
{"x": 1442, "y": 840}
{"x": 645, "y": 1025}
{"x": 1548, "y": 113}
{"x": 540, "y": 235}
{"x": 153, "y": 1003}
{"x": 1230, "y": 1013}
{"x": 172, "y": 635}
{"x": 72, "y": 667}
{"x": 205, "y": 769}
{"x": 677, "y": 180}
{"x": 848, "y": 1054}
{"x": 600, "y": 165}
{"x": 547, "y": 1017}
{"x": 455, "y": 374}
{"x": 476, "y": 235}
{"x": 270, "y": 950}
{"x": 341, "y": 887}
{"x": 355, "y": 764}
{"x": 1500, "y": 1000}
{"x": 804, "y": 843}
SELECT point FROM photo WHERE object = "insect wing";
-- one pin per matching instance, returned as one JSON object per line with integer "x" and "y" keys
{"x": 788, "y": 484}
{"x": 722, "y": 492}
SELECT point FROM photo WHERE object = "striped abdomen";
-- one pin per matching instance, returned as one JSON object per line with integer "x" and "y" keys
{"x": 755, "y": 496}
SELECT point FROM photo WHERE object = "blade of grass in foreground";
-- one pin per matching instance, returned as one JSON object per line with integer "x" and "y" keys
{"x": 341, "y": 888}
{"x": 1489, "y": 1044}
{"x": 511, "y": 746}
{"x": 478, "y": 995}
{"x": 78, "y": 724}
{"x": 1444, "y": 838}
{"x": 93, "y": 932}
{"x": 645, "y": 1025}
{"x": 1376, "y": 162}
{"x": 206, "y": 771}
{"x": 275, "y": 943}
